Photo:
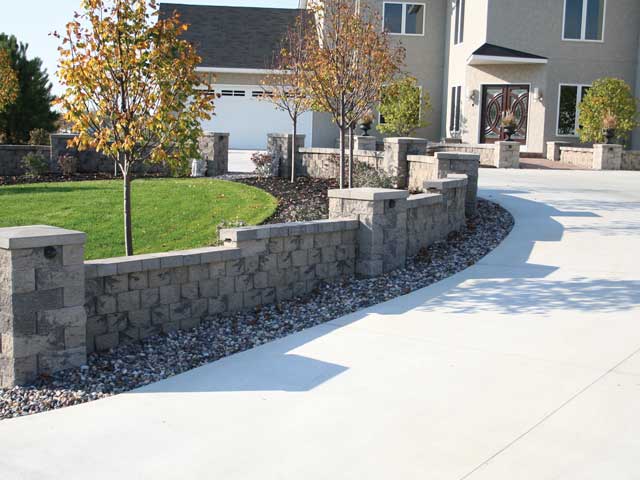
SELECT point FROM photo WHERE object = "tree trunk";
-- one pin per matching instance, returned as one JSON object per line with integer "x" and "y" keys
{"x": 341, "y": 181}
{"x": 351, "y": 148}
{"x": 128, "y": 235}
{"x": 293, "y": 150}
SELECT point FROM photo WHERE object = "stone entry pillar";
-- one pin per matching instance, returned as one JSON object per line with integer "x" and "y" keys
{"x": 279, "y": 147}
{"x": 42, "y": 316}
{"x": 607, "y": 157}
{"x": 396, "y": 150}
{"x": 214, "y": 148}
{"x": 382, "y": 235}
{"x": 507, "y": 155}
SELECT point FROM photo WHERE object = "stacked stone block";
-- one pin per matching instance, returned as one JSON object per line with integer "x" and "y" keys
{"x": 507, "y": 155}
{"x": 131, "y": 298}
{"x": 382, "y": 218}
{"x": 42, "y": 319}
{"x": 607, "y": 157}
{"x": 279, "y": 147}
{"x": 395, "y": 156}
{"x": 214, "y": 148}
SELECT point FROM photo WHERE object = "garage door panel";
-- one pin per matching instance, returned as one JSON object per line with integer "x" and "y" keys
{"x": 248, "y": 120}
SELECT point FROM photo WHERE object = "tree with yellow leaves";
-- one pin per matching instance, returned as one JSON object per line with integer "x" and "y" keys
{"x": 131, "y": 89}
{"x": 353, "y": 58}
{"x": 9, "y": 87}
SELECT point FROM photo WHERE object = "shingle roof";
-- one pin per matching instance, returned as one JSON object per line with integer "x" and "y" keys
{"x": 234, "y": 37}
{"x": 495, "y": 51}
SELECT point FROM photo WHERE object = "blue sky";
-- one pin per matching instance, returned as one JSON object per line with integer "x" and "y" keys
{"x": 31, "y": 21}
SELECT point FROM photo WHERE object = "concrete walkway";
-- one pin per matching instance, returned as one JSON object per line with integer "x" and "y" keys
{"x": 525, "y": 366}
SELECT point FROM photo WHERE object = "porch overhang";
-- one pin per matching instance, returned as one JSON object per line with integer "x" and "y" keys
{"x": 489, "y": 54}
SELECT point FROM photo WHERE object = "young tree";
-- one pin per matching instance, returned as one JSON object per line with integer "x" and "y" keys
{"x": 607, "y": 96}
{"x": 9, "y": 85}
{"x": 31, "y": 108}
{"x": 131, "y": 87}
{"x": 351, "y": 60}
{"x": 284, "y": 88}
{"x": 403, "y": 107}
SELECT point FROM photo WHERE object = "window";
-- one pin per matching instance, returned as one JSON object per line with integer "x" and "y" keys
{"x": 584, "y": 20}
{"x": 459, "y": 19}
{"x": 456, "y": 105}
{"x": 404, "y": 18}
{"x": 232, "y": 93}
{"x": 570, "y": 98}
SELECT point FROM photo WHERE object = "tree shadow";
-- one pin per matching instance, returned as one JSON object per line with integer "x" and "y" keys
{"x": 269, "y": 367}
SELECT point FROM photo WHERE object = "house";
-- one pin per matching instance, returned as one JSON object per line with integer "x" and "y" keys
{"x": 476, "y": 58}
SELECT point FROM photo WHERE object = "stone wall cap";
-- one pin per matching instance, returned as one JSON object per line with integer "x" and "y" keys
{"x": 405, "y": 140}
{"x": 37, "y": 236}
{"x": 452, "y": 181}
{"x": 471, "y": 157}
{"x": 276, "y": 230}
{"x": 420, "y": 158}
{"x": 369, "y": 194}
{"x": 215, "y": 134}
{"x": 423, "y": 199}
{"x": 287, "y": 135}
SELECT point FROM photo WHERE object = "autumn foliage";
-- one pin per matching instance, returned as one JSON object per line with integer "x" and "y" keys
{"x": 9, "y": 87}
{"x": 351, "y": 61}
{"x": 131, "y": 89}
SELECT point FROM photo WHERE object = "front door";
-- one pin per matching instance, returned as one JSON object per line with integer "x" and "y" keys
{"x": 498, "y": 100}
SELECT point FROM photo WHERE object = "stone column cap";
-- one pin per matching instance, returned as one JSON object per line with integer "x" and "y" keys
{"x": 36, "y": 236}
{"x": 217, "y": 134}
{"x": 369, "y": 194}
{"x": 405, "y": 140}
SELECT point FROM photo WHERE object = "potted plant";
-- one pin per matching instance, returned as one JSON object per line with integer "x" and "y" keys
{"x": 365, "y": 123}
{"x": 509, "y": 124}
{"x": 609, "y": 125}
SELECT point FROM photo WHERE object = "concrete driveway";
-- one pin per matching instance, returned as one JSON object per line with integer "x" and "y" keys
{"x": 525, "y": 366}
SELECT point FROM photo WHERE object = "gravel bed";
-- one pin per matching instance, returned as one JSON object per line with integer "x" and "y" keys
{"x": 162, "y": 356}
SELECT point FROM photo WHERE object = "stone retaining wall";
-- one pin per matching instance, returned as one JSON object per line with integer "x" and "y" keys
{"x": 56, "y": 309}
{"x": 213, "y": 146}
{"x": 131, "y": 298}
{"x": 577, "y": 156}
{"x": 11, "y": 158}
{"x": 325, "y": 162}
{"x": 423, "y": 168}
{"x": 498, "y": 155}
{"x": 631, "y": 160}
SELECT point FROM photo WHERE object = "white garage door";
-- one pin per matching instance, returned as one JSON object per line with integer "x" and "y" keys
{"x": 249, "y": 119}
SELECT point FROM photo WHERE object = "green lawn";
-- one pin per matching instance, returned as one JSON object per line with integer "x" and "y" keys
{"x": 168, "y": 214}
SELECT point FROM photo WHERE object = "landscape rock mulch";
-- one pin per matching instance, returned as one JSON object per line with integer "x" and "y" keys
{"x": 137, "y": 364}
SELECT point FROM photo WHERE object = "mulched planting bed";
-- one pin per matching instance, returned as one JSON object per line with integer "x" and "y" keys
{"x": 302, "y": 201}
{"x": 162, "y": 356}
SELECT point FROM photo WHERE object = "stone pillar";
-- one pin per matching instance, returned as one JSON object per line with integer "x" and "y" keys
{"x": 365, "y": 143}
{"x": 462, "y": 163}
{"x": 553, "y": 150}
{"x": 396, "y": 150}
{"x": 382, "y": 234}
{"x": 214, "y": 148}
{"x": 42, "y": 293}
{"x": 279, "y": 147}
{"x": 59, "y": 142}
{"x": 607, "y": 157}
{"x": 507, "y": 155}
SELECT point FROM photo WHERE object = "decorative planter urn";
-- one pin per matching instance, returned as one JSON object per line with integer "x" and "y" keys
{"x": 509, "y": 131}
{"x": 365, "y": 127}
{"x": 609, "y": 134}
